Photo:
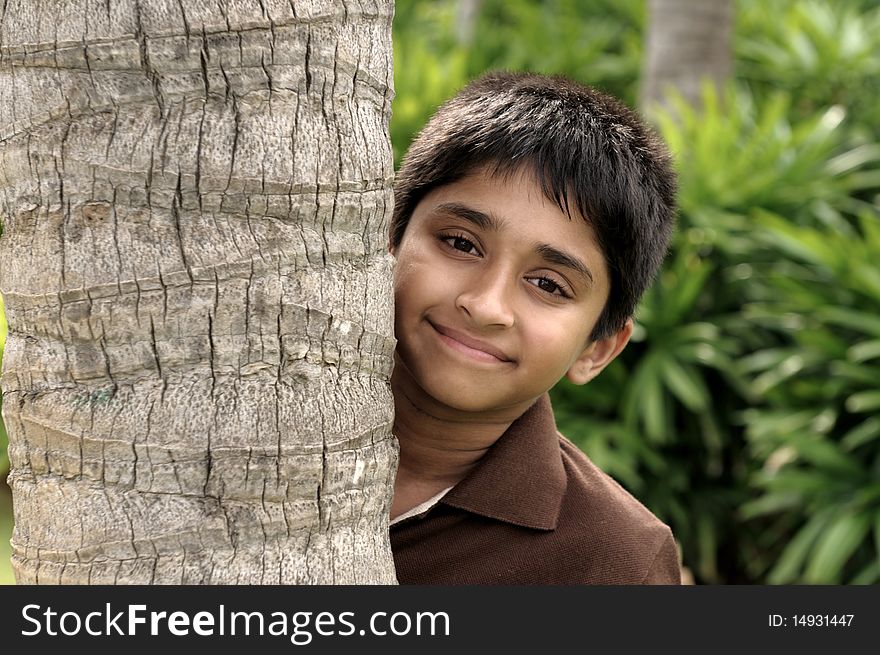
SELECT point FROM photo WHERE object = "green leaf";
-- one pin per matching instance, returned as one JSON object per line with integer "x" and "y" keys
{"x": 835, "y": 547}
{"x": 765, "y": 359}
{"x": 854, "y": 158}
{"x": 696, "y": 332}
{"x": 864, "y": 351}
{"x": 867, "y": 495}
{"x": 866, "y": 278}
{"x": 865, "y": 322}
{"x": 858, "y": 373}
{"x": 810, "y": 245}
{"x": 869, "y": 222}
{"x": 686, "y": 384}
{"x": 791, "y": 366}
{"x": 803, "y": 482}
{"x": 795, "y": 553}
{"x": 770, "y": 504}
{"x": 644, "y": 404}
{"x": 688, "y": 290}
{"x": 862, "y": 180}
{"x": 863, "y": 433}
{"x": 707, "y": 540}
{"x": 827, "y": 455}
{"x": 864, "y": 401}
{"x": 763, "y": 424}
{"x": 877, "y": 536}
{"x": 868, "y": 575}
{"x": 653, "y": 411}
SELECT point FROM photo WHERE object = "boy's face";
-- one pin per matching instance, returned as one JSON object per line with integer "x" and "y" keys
{"x": 496, "y": 293}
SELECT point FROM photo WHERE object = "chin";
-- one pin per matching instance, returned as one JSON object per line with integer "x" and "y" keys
{"x": 462, "y": 403}
{"x": 448, "y": 389}
{"x": 467, "y": 398}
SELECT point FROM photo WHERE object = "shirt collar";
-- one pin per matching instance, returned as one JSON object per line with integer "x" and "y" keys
{"x": 521, "y": 478}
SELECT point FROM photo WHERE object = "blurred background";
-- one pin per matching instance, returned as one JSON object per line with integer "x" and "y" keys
{"x": 745, "y": 411}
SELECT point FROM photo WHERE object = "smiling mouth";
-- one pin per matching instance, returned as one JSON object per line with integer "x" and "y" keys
{"x": 473, "y": 348}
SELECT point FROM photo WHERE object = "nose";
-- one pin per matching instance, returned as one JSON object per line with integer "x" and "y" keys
{"x": 487, "y": 298}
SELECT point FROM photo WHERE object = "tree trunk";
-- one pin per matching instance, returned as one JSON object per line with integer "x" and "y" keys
{"x": 688, "y": 41}
{"x": 466, "y": 15}
{"x": 194, "y": 263}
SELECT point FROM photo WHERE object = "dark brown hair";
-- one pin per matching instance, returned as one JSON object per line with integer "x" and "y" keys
{"x": 586, "y": 149}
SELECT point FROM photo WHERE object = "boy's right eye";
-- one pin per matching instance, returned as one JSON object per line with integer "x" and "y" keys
{"x": 460, "y": 243}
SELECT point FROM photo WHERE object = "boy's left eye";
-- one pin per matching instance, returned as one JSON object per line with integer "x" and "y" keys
{"x": 549, "y": 286}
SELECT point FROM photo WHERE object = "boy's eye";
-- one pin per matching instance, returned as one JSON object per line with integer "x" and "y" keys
{"x": 549, "y": 286}
{"x": 461, "y": 244}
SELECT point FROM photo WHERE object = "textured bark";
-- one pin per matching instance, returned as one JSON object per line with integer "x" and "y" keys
{"x": 195, "y": 196}
{"x": 688, "y": 42}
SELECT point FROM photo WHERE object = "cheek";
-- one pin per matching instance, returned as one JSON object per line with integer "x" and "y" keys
{"x": 403, "y": 272}
{"x": 410, "y": 293}
{"x": 419, "y": 277}
{"x": 557, "y": 343}
{"x": 401, "y": 293}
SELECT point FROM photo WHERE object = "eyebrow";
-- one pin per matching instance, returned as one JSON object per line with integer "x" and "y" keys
{"x": 480, "y": 219}
{"x": 546, "y": 251}
{"x": 556, "y": 256}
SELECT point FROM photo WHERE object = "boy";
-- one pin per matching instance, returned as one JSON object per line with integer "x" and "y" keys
{"x": 530, "y": 215}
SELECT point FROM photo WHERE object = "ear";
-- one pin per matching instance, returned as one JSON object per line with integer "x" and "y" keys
{"x": 599, "y": 354}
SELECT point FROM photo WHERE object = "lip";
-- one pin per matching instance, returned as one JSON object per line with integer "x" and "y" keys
{"x": 474, "y": 348}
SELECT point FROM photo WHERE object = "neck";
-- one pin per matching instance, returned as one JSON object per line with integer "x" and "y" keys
{"x": 439, "y": 445}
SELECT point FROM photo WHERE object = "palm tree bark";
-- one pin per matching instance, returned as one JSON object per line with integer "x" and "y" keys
{"x": 688, "y": 42}
{"x": 194, "y": 262}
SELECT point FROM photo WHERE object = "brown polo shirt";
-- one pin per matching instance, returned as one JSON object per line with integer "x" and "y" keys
{"x": 535, "y": 510}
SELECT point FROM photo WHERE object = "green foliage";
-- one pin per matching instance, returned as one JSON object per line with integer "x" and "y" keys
{"x": 602, "y": 42}
{"x": 817, "y": 433}
{"x": 820, "y": 52}
{"x": 737, "y": 155}
{"x": 756, "y": 371}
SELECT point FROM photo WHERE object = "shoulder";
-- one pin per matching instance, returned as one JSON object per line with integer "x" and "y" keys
{"x": 634, "y": 545}
{"x": 590, "y": 486}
